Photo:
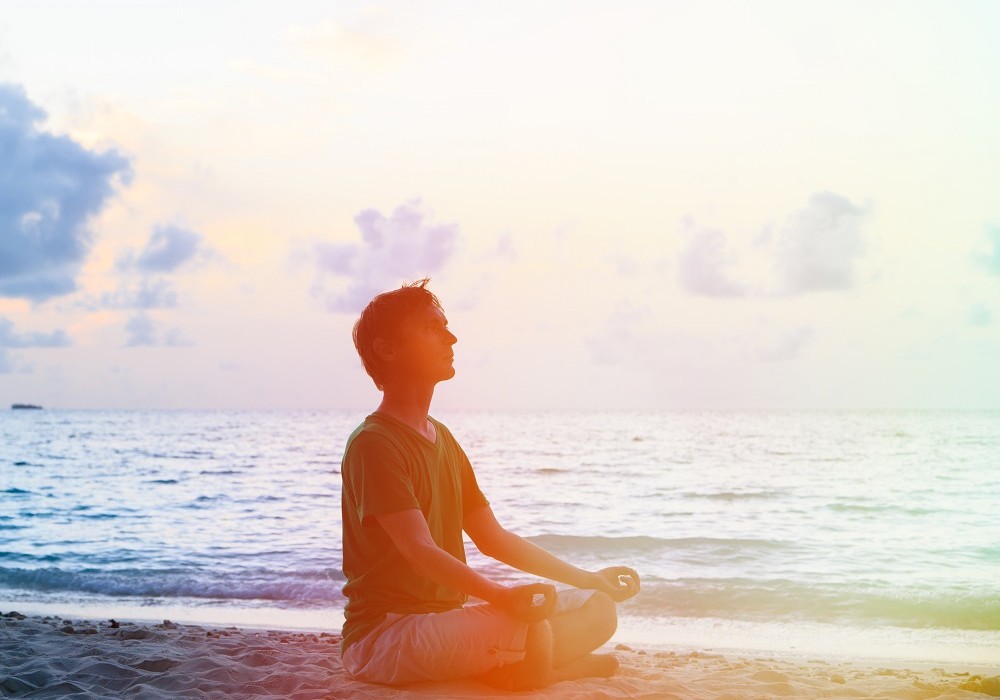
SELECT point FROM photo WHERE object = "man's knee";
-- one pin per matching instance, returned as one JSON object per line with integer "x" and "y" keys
{"x": 604, "y": 613}
{"x": 536, "y": 669}
{"x": 538, "y": 643}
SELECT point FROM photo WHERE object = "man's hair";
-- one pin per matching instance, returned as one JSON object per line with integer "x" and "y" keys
{"x": 382, "y": 318}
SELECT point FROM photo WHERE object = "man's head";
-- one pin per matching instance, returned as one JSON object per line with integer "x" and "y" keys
{"x": 404, "y": 333}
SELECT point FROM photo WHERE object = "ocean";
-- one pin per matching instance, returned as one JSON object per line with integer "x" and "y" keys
{"x": 871, "y": 534}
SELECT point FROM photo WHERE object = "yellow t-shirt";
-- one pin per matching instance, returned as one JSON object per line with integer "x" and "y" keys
{"x": 389, "y": 467}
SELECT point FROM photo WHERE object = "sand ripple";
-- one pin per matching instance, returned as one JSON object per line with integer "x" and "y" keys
{"x": 79, "y": 660}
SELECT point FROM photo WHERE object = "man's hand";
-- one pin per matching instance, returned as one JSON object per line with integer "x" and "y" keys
{"x": 619, "y": 582}
{"x": 531, "y": 602}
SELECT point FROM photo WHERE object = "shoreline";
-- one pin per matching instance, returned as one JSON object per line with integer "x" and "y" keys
{"x": 893, "y": 646}
{"x": 56, "y": 656}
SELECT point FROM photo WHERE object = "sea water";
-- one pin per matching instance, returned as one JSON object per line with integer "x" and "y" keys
{"x": 874, "y": 533}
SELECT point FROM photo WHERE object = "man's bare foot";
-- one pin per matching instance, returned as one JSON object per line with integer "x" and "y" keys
{"x": 500, "y": 678}
{"x": 517, "y": 677}
{"x": 520, "y": 676}
{"x": 588, "y": 666}
{"x": 535, "y": 671}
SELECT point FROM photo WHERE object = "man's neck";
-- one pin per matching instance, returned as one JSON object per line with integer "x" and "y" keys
{"x": 409, "y": 405}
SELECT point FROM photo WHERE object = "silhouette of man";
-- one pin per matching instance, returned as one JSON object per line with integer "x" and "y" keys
{"x": 408, "y": 493}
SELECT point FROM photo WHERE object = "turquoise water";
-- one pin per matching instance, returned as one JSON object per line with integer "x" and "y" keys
{"x": 808, "y": 530}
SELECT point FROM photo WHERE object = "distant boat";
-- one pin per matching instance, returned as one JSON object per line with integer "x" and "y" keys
{"x": 21, "y": 406}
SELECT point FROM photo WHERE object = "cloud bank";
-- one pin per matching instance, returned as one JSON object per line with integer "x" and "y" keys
{"x": 143, "y": 331}
{"x": 168, "y": 249}
{"x": 50, "y": 187}
{"x": 402, "y": 247}
{"x": 11, "y": 339}
{"x": 816, "y": 249}
{"x": 149, "y": 293}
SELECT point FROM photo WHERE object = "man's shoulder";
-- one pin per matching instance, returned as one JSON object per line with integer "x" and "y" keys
{"x": 372, "y": 447}
{"x": 385, "y": 437}
{"x": 372, "y": 433}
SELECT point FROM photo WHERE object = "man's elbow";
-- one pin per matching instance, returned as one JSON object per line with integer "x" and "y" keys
{"x": 488, "y": 549}
{"x": 495, "y": 545}
{"x": 425, "y": 559}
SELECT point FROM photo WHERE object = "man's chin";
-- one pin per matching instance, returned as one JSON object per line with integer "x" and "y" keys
{"x": 442, "y": 376}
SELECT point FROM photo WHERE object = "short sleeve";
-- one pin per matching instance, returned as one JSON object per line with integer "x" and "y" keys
{"x": 377, "y": 478}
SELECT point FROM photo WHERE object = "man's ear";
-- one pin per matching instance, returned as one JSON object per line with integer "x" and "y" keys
{"x": 383, "y": 349}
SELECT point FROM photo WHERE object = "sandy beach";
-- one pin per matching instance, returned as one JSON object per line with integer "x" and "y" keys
{"x": 55, "y": 657}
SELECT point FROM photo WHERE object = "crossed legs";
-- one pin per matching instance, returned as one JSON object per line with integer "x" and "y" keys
{"x": 560, "y": 648}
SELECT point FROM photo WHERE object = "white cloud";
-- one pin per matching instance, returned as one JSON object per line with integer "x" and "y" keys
{"x": 818, "y": 246}
{"x": 51, "y": 187}
{"x": 402, "y": 247}
{"x": 143, "y": 331}
{"x": 149, "y": 293}
{"x": 816, "y": 249}
{"x": 704, "y": 265}
{"x": 11, "y": 339}
{"x": 169, "y": 248}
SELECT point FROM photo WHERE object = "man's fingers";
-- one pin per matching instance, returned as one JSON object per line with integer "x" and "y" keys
{"x": 624, "y": 580}
{"x": 535, "y": 601}
{"x": 548, "y": 604}
{"x": 630, "y": 582}
{"x": 535, "y": 613}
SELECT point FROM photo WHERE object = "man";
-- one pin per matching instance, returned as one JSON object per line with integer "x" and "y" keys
{"x": 408, "y": 493}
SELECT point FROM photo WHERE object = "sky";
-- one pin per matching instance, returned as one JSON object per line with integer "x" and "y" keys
{"x": 621, "y": 205}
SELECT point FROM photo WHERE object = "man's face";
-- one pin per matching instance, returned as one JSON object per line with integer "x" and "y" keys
{"x": 422, "y": 351}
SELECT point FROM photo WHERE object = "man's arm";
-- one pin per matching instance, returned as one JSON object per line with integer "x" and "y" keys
{"x": 409, "y": 533}
{"x": 495, "y": 541}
